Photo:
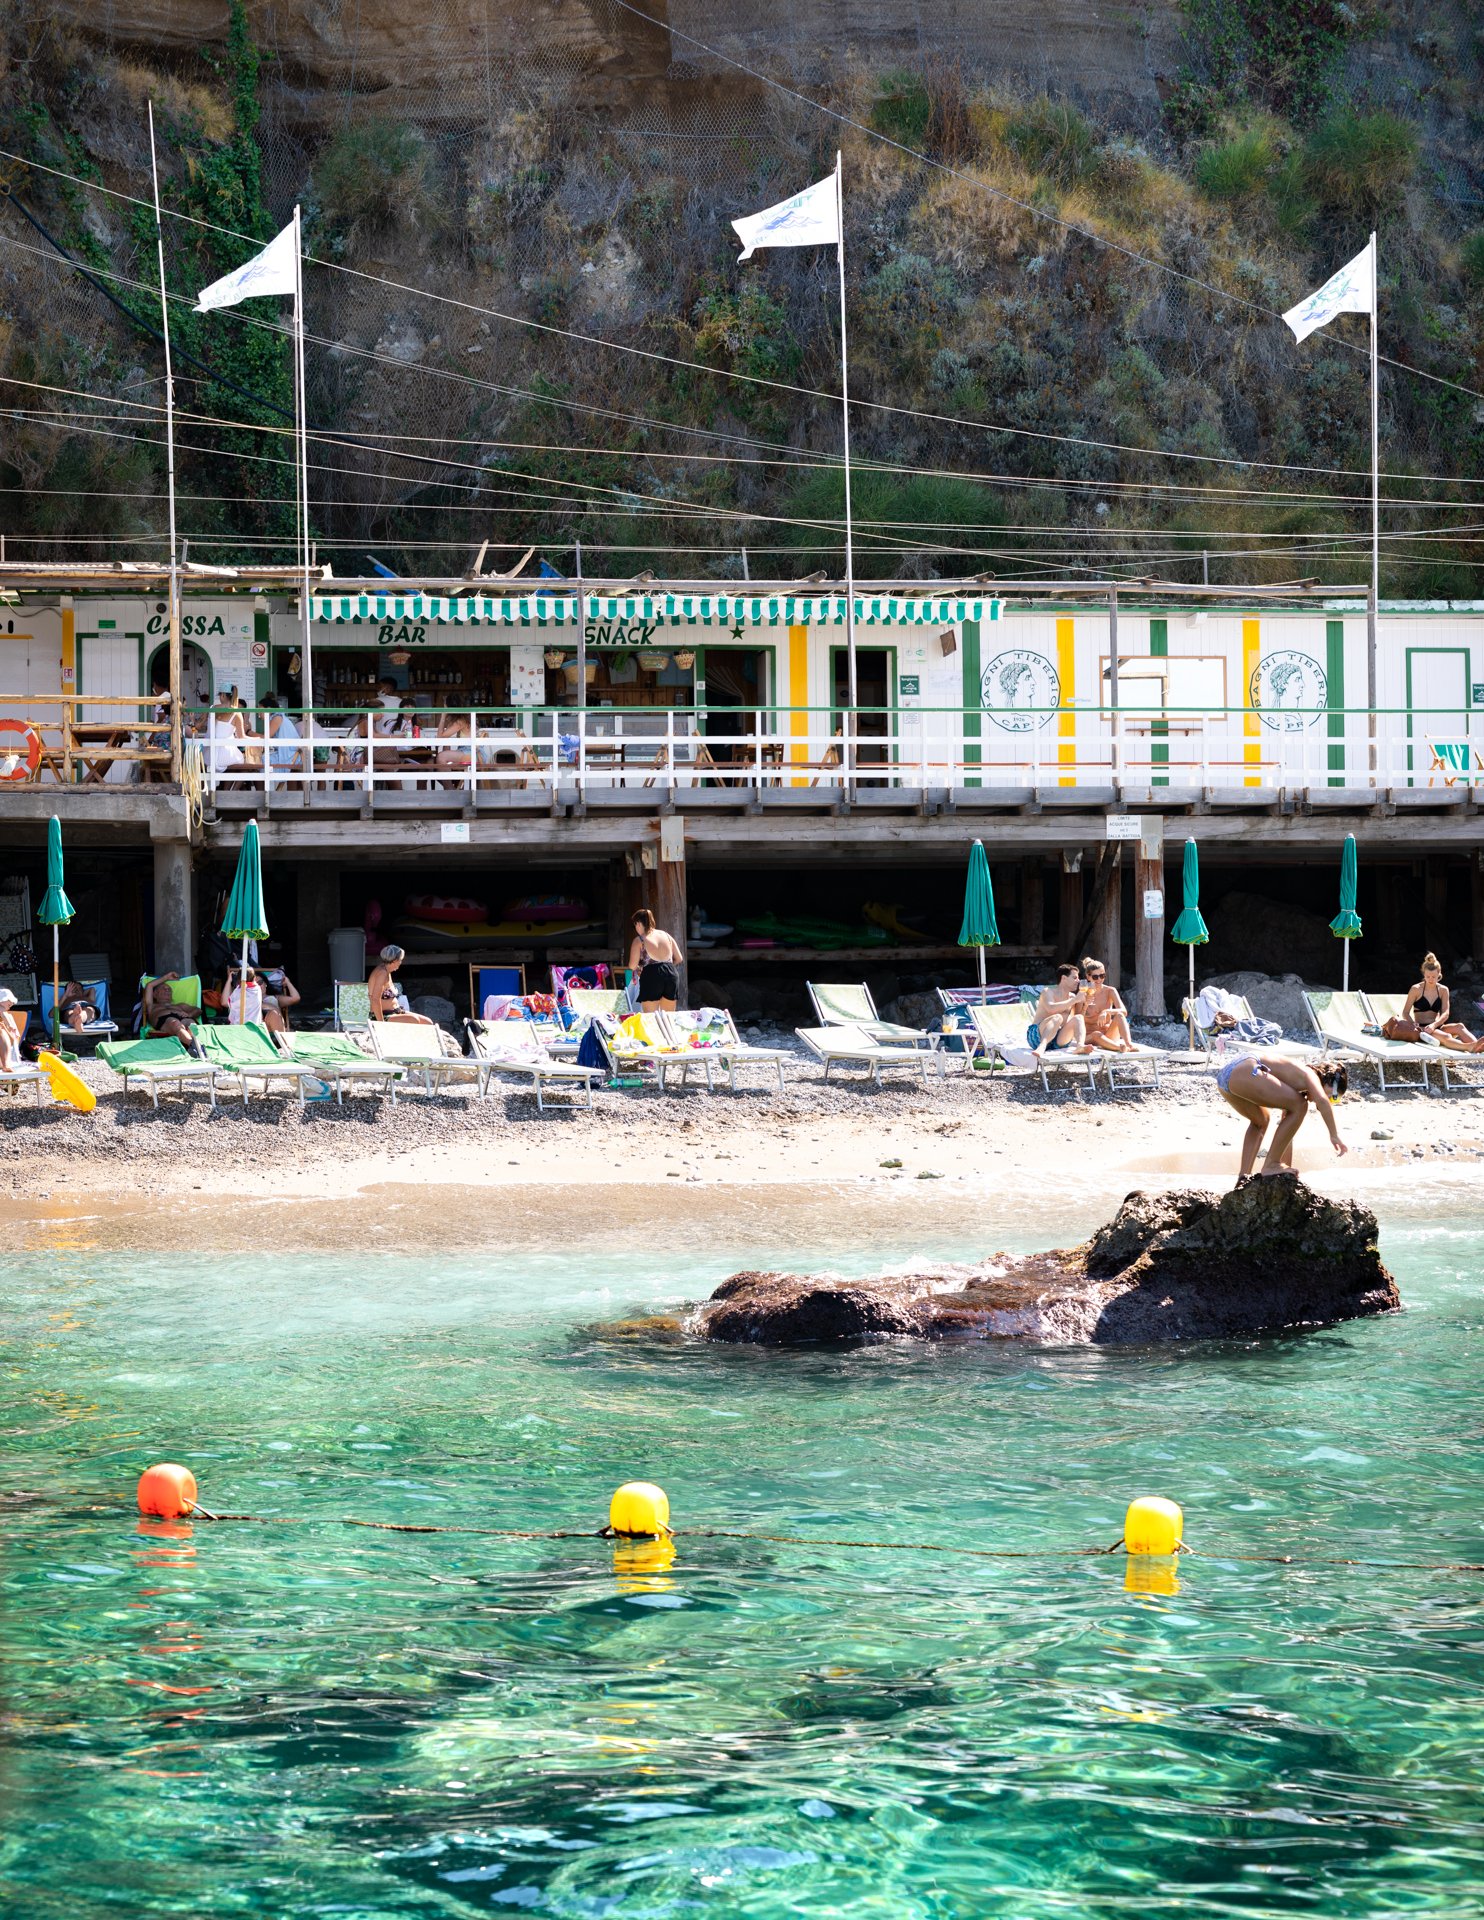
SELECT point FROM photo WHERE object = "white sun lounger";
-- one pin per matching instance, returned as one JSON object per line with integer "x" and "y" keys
{"x": 514, "y": 1046}
{"x": 1340, "y": 1019}
{"x": 14, "y": 1078}
{"x": 853, "y": 1046}
{"x": 1003, "y": 1031}
{"x": 418, "y": 1050}
{"x": 853, "y": 1006}
{"x": 730, "y": 1050}
{"x": 642, "y": 1039}
{"x": 1205, "y": 1037}
{"x": 1388, "y": 1006}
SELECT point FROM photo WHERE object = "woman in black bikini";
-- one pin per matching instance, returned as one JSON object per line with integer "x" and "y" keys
{"x": 1428, "y": 1004}
{"x": 655, "y": 957}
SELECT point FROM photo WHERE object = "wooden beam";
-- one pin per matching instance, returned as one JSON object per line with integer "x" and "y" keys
{"x": 1148, "y": 1000}
{"x": 1032, "y": 901}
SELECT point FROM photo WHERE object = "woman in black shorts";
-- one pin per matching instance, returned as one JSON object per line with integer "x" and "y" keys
{"x": 655, "y": 957}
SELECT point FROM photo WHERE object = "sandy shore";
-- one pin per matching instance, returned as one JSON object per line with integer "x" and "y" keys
{"x": 431, "y": 1167}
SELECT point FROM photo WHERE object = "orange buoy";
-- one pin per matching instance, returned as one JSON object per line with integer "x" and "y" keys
{"x": 167, "y": 1491}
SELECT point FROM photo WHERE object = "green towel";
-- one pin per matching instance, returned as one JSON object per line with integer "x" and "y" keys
{"x": 327, "y": 1050}
{"x": 245, "y": 1046}
{"x": 124, "y": 1055}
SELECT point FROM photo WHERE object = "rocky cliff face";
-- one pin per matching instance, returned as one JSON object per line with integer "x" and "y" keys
{"x": 447, "y": 60}
{"x": 1272, "y": 1255}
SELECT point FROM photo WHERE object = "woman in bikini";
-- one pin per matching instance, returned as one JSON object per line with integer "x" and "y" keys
{"x": 1430, "y": 1004}
{"x": 1257, "y": 1083}
{"x": 655, "y": 958}
{"x": 386, "y": 1000}
{"x": 1104, "y": 1011}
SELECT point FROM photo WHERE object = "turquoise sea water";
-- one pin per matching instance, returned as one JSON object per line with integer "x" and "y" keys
{"x": 310, "y": 1719}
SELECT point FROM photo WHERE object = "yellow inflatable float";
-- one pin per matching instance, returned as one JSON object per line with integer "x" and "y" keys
{"x": 65, "y": 1084}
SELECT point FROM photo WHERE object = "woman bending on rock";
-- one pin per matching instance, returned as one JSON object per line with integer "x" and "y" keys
{"x": 1253, "y": 1083}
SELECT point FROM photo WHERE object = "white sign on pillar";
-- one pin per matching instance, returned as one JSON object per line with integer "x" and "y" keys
{"x": 1154, "y": 903}
{"x": 672, "y": 837}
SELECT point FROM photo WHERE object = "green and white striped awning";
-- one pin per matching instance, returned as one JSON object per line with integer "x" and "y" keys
{"x": 654, "y": 609}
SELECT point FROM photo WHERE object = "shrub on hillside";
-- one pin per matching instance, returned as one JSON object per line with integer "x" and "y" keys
{"x": 1471, "y": 258}
{"x": 1053, "y": 138}
{"x": 1356, "y": 162}
{"x": 370, "y": 178}
{"x": 1237, "y": 168}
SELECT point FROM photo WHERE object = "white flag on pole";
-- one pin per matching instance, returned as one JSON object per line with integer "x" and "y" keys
{"x": 810, "y": 219}
{"x": 271, "y": 271}
{"x": 1351, "y": 290}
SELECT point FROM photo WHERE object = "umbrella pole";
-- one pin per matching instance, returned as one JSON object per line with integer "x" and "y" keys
{"x": 242, "y": 984}
{"x": 1190, "y": 999}
{"x": 980, "y": 952}
{"x": 1345, "y": 975}
{"x": 56, "y": 989}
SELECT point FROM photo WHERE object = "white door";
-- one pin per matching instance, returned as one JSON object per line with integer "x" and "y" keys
{"x": 1437, "y": 710}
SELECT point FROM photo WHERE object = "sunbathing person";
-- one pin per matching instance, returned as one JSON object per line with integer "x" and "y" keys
{"x": 1103, "y": 1011}
{"x": 1058, "y": 1025}
{"x": 1255, "y": 1083}
{"x": 1430, "y": 1005}
{"x": 77, "y": 1007}
{"x": 167, "y": 1019}
{"x": 387, "y": 1000}
{"x": 12, "y": 1026}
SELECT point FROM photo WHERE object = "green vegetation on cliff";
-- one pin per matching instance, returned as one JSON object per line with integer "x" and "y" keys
{"x": 1040, "y": 324}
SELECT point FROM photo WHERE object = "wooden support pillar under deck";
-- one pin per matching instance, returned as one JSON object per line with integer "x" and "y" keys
{"x": 1107, "y": 929}
{"x": 1476, "y": 907}
{"x": 1069, "y": 909}
{"x": 1435, "y": 904}
{"x": 1148, "y": 999}
{"x": 1032, "y": 902}
{"x": 667, "y": 895}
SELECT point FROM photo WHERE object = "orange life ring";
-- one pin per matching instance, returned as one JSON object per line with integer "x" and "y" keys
{"x": 24, "y": 768}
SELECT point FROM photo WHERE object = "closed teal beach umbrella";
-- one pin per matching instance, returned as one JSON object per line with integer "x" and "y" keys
{"x": 246, "y": 917}
{"x": 1346, "y": 923}
{"x": 1190, "y": 930}
{"x": 55, "y": 911}
{"x": 980, "y": 928}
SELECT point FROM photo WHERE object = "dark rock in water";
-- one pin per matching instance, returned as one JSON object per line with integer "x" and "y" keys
{"x": 1168, "y": 1266}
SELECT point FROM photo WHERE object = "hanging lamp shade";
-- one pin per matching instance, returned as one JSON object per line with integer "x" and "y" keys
{"x": 1190, "y": 930}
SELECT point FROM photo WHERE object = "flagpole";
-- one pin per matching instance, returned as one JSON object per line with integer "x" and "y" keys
{"x": 850, "y": 722}
{"x": 1373, "y": 606}
{"x": 174, "y": 653}
{"x": 301, "y": 408}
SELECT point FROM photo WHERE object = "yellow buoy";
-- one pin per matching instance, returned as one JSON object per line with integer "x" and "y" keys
{"x": 1154, "y": 1527}
{"x": 640, "y": 1565}
{"x": 639, "y": 1511}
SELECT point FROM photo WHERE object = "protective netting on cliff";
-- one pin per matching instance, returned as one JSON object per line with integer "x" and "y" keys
{"x": 576, "y": 165}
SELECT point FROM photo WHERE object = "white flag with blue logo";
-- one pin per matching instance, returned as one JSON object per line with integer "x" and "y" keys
{"x": 271, "y": 271}
{"x": 810, "y": 219}
{"x": 1351, "y": 290}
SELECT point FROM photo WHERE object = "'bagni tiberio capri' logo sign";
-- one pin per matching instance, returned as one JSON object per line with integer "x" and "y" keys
{"x": 1019, "y": 690}
{"x": 1289, "y": 691}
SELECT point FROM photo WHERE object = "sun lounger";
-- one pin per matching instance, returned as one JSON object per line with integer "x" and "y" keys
{"x": 853, "y": 1006}
{"x": 352, "y": 1006}
{"x": 640, "y": 1039}
{"x": 721, "y": 1043}
{"x": 247, "y": 1052}
{"x": 1206, "y": 1037}
{"x": 1340, "y": 1020}
{"x": 1388, "y": 1006}
{"x": 418, "y": 1050}
{"x": 1003, "y": 1031}
{"x": 336, "y": 1059}
{"x": 514, "y": 1046}
{"x": 854, "y": 1046}
{"x": 12, "y": 1079}
{"x": 158, "y": 1064}
{"x": 103, "y": 1028}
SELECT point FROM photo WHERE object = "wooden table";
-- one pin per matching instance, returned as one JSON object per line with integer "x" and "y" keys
{"x": 112, "y": 741}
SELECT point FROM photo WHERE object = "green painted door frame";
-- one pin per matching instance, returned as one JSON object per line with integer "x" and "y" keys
{"x": 1459, "y": 653}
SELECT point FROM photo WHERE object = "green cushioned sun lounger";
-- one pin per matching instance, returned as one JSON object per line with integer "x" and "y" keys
{"x": 247, "y": 1053}
{"x": 337, "y": 1058}
{"x": 157, "y": 1063}
{"x": 853, "y": 1046}
{"x": 1340, "y": 1020}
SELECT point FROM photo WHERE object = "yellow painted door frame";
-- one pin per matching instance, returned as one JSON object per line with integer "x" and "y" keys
{"x": 1251, "y": 724}
{"x": 1066, "y": 720}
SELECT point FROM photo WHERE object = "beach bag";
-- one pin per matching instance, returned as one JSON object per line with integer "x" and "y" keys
{"x": 1398, "y": 1029}
{"x": 590, "y": 1053}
